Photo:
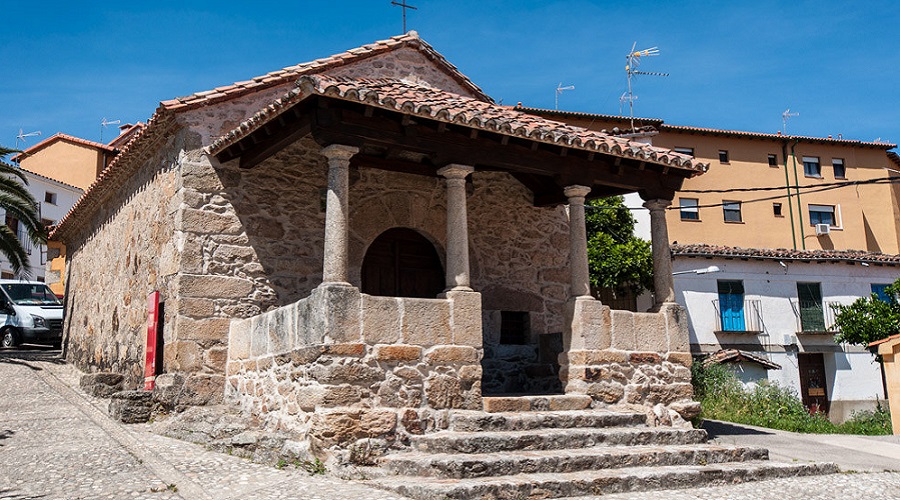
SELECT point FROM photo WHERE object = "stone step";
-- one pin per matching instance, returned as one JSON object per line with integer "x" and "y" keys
{"x": 551, "y": 402}
{"x": 459, "y": 466}
{"x": 541, "y": 439}
{"x": 474, "y": 421}
{"x": 595, "y": 482}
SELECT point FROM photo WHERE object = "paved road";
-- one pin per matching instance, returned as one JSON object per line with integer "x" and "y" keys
{"x": 56, "y": 442}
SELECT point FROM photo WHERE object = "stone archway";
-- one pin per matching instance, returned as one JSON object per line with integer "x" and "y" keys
{"x": 402, "y": 263}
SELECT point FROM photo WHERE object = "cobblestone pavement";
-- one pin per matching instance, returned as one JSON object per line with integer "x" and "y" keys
{"x": 56, "y": 442}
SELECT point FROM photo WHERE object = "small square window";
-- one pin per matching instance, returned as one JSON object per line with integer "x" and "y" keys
{"x": 685, "y": 151}
{"x": 7, "y": 275}
{"x": 732, "y": 211}
{"x": 811, "y": 166}
{"x": 50, "y": 198}
{"x": 839, "y": 171}
{"x": 822, "y": 214}
{"x": 690, "y": 209}
{"x": 723, "y": 156}
{"x": 773, "y": 160}
{"x": 776, "y": 210}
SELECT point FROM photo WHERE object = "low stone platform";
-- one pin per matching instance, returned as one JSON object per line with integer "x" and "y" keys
{"x": 571, "y": 452}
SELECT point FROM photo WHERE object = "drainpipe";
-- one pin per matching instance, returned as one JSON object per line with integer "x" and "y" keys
{"x": 797, "y": 189}
{"x": 787, "y": 186}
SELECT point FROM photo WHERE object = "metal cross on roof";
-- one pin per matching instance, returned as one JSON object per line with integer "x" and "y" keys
{"x": 402, "y": 4}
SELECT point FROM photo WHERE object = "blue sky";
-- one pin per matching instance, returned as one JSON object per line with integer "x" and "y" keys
{"x": 735, "y": 65}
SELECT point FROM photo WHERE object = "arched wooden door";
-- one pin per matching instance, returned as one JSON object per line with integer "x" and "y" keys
{"x": 402, "y": 263}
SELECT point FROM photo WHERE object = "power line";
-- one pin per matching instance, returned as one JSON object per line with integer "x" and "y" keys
{"x": 888, "y": 180}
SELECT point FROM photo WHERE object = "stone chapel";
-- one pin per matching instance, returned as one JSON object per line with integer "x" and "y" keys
{"x": 354, "y": 246}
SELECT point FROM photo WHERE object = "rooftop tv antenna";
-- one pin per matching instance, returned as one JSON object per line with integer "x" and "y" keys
{"x": 784, "y": 118}
{"x": 105, "y": 123}
{"x": 559, "y": 90}
{"x": 402, "y": 4}
{"x": 22, "y": 135}
{"x": 633, "y": 61}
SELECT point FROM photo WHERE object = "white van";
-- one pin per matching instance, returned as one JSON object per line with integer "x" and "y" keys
{"x": 29, "y": 312}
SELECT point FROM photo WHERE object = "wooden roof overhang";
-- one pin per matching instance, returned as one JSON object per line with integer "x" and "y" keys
{"x": 397, "y": 141}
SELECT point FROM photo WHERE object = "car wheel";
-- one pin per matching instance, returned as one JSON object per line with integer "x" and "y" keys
{"x": 9, "y": 338}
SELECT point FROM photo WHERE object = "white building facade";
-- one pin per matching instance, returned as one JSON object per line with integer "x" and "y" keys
{"x": 55, "y": 199}
{"x": 777, "y": 304}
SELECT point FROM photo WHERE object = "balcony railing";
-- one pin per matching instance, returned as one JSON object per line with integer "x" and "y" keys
{"x": 814, "y": 317}
{"x": 23, "y": 238}
{"x": 748, "y": 319}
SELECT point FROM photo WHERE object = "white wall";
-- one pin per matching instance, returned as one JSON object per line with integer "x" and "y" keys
{"x": 641, "y": 215}
{"x": 851, "y": 372}
{"x": 66, "y": 196}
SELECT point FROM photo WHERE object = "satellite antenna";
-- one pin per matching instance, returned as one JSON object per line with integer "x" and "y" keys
{"x": 559, "y": 90}
{"x": 105, "y": 123}
{"x": 784, "y": 118}
{"x": 22, "y": 135}
{"x": 623, "y": 99}
{"x": 633, "y": 61}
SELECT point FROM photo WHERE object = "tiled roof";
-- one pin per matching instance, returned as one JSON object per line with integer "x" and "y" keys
{"x": 735, "y": 355}
{"x": 125, "y": 135}
{"x": 883, "y": 341}
{"x": 292, "y": 73}
{"x": 706, "y": 131}
{"x": 51, "y": 179}
{"x": 417, "y": 99}
{"x": 762, "y": 135}
{"x": 894, "y": 157}
{"x": 59, "y": 136}
{"x": 702, "y": 250}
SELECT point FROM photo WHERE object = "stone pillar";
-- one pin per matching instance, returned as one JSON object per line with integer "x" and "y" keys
{"x": 457, "y": 227}
{"x": 334, "y": 268}
{"x": 663, "y": 283}
{"x": 578, "y": 256}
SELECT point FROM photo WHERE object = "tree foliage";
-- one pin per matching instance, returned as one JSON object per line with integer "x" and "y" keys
{"x": 616, "y": 257}
{"x": 17, "y": 202}
{"x": 868, "y": 318}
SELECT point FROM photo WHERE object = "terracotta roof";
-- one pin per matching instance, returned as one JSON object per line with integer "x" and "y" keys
{"x": 292, "y": 73}
{"x": 702, "y": 250}
{"x": 59, "y": 136}
{"x": 706, "y": 131}
{"x": 884, "y": 341}
{"x": 894, "y": 157}
{"x": 417, "y": 99}
{"x": 125, "y": 135}
{"x": 736, "y": 355}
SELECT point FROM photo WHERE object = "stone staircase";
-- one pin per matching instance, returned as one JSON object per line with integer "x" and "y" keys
{"x": 540, "y": 454}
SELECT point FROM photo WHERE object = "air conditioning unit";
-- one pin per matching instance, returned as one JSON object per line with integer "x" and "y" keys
{"x": 822, "y": 229}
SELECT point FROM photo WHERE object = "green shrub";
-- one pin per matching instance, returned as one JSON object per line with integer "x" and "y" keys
{"x": 768, "y": 404}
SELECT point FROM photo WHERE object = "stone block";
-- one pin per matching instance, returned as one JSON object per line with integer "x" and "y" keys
{"x": 202, "y": 389}
{"x": 623, "y": 331}
{"x": 341, "y": 395}
{"x": 350, "y": 373}
{"x": 215, "y": 358}
{"x": 469, "y": 373}
{"x": 466, "y": 318}
{"x": 677, "y": 328}
{"x": 309, "y": 397}
{"x": 340, "y": 305}
{"x": 309, "y": 321}
{"x": 501, "y": 404}
{"x": 239, "y": 339}
{"x": 570, "y": 402}
{"x": 680, "y": 358}
{"x": 451, "y": 354}
{"x": 200, "y": 175}
{"x": 207, "y": 222}
{"x": 233, "y": 368}
{"x": 426, "y": 322}
{"x": 281, "y": 328}
{"x": 353, "y": 349}
{"x": 131, "y": 407}
{"x": 101, "y": 385}
{"x": 377, "y": 423}
{"x": 588, "y": 325}
{"x": 196, "y": 308}
{"x": 607, "y": 392}
{"x": 188, "y": 357}
{"x": 304, "y": 355}
{"x": 650, "y": 332}
{"x": 215, "y": 330}
{"x": 381, "y": 319}
{"x": 398, "y": 353}
{"x": 593, "y": 357}
{"x": 644, "y": 358}
{"x": 214, "y": 287}
{"x": 259, "y": 335}
{"x": 442, "y": 391}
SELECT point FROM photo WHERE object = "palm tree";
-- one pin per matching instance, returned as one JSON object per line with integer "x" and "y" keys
{"x": 21, "y": 205}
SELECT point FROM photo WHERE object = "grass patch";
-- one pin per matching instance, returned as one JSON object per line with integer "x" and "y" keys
{"x": 722, "y": 397}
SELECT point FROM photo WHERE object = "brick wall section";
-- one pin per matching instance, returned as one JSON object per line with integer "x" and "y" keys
{"x": 114, "y": 263}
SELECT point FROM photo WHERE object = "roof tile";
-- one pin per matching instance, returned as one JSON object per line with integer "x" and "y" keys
{"x": 703, "y": 250}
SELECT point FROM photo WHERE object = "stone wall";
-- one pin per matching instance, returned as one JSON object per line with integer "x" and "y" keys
{"x": 126, "y": 253}
{"x": 339, "y": 365}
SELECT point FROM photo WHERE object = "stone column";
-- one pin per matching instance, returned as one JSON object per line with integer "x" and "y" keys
{"x": 457, "y": 227}
{"x": 663, "y": 283}
{"x": 578, "y": 256}
{"x": 334, "y": 268}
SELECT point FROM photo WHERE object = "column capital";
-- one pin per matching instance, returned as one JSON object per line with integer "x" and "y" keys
{"x": 576, "y": 191}
{"x": 455, "y": 171}
{"x": 657, "y": 204}
{"x": 339, "y": 151}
